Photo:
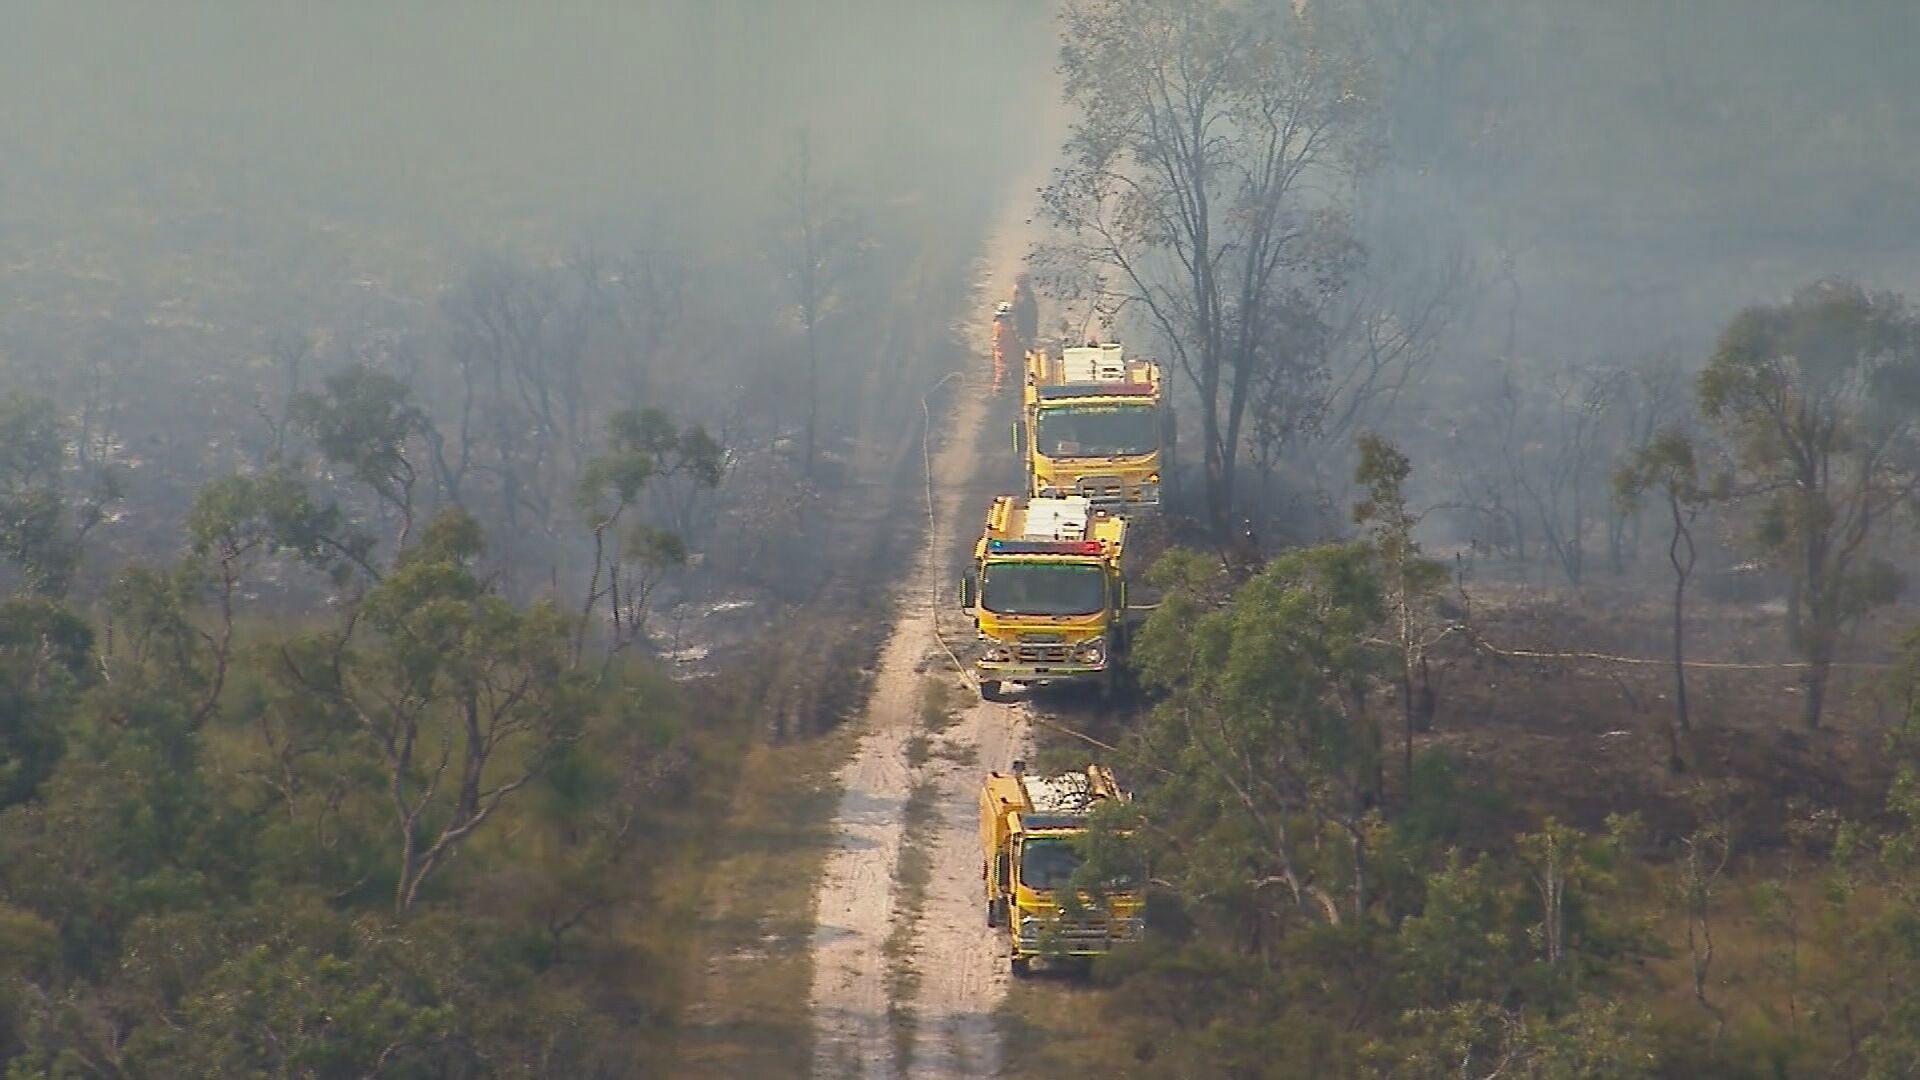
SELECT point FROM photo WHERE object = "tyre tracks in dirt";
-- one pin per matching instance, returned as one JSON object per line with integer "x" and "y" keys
{"x": 947, "y": 1025}
{"x": 747, "y": 1010}
{"x": 949, "y": 950}
{"x": 962, "y": 971}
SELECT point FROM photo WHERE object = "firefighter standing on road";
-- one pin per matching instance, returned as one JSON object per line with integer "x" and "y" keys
{"x": 1026, "y": 311}
{"x": 1003, "y": 334}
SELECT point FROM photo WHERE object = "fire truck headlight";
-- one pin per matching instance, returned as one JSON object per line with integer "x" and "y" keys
{"x": 1091, "y": 652}
{"x": 995, "y": 654}
{"x": 1149, "y": 492}
{"x": 1029, "y": 930}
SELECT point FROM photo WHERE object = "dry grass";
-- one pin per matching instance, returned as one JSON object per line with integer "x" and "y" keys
{"x": 1778, "y": 950}
{"x": 912, "y": 874}
{"x": 1051, "y": 1025}
{"x": 939, "y": 704}
{"x": 750, "y": 915}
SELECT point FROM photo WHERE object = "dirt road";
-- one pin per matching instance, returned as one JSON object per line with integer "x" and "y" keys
{"x": 949, "y": 974}
{"x": 961, "y": 967}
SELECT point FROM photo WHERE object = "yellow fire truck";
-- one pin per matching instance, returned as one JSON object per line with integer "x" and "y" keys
{"x": 1047, "y": 593}
{"x": 1031, "y": 831}
{"x": 1091, "y": 424}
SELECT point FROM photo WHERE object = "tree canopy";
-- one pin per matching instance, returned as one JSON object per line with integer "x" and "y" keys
{"x": 1820, "y": 397}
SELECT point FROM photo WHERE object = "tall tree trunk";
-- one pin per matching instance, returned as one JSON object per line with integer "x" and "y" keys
{"x": 1819, "y": 666}
{"x": 1406, "y": 703}
{"x": 1682, "y": 567}
{"x": 1217, "y": 510}
{"x": 1795, "y": 608}
{"x": 404, "y": 889}
{"x": 1817, "y": 626}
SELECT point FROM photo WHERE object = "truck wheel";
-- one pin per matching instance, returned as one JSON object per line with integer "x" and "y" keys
{"x": 1022, "y": 966}
{"x": 989, "y": 689}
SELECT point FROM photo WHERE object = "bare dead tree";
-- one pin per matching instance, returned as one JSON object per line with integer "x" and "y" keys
{"x": 655, "y": 291}
{"x": 1486, "y": 448}
{"x": 289, "y": 352}
{"x": 1385, "y": 334}
{"x": 820, "y": 243}
{"x": 1387, "y": 339}
{"x": 517, "y": 344}
{"x": 103, "y": 377}
{"x": 1559, "y": 482}
{"x": 1288, "y": 401}
{"x": 1653, "y": 398}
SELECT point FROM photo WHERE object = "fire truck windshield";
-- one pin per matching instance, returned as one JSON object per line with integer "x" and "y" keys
{"x": 1047, "y": 864}
{"x": 1043, "y": 588}
{"x": 1098, "y": 430}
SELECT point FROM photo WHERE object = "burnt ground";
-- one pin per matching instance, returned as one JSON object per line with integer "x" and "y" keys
{"x": 1579, "y": 738}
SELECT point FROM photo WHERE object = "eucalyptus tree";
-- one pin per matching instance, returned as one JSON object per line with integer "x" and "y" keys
{"x": 1207, "y": 185}
{"x": 1820, "y": 398}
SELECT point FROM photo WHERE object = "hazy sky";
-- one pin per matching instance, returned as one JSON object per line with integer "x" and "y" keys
{"x": 569, "y": 111}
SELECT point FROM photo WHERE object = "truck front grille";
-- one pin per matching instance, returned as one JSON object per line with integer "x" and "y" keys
{"x": 1081, "y": 932}
{"x": 1040, "y": 654}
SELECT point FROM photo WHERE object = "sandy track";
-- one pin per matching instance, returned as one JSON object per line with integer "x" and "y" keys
{"x": 963, "y": 971}
{"x": 855, "y": 899}
{"x": 959, "y": 965}
{"x": 952, "y": 952}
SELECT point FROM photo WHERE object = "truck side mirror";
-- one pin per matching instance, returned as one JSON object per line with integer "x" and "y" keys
{"x": 1016, "y": 438}
{"x": 1003, "y": 868}
{"x": 1122, "y": 596}
{"x": 967, "y": 590}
